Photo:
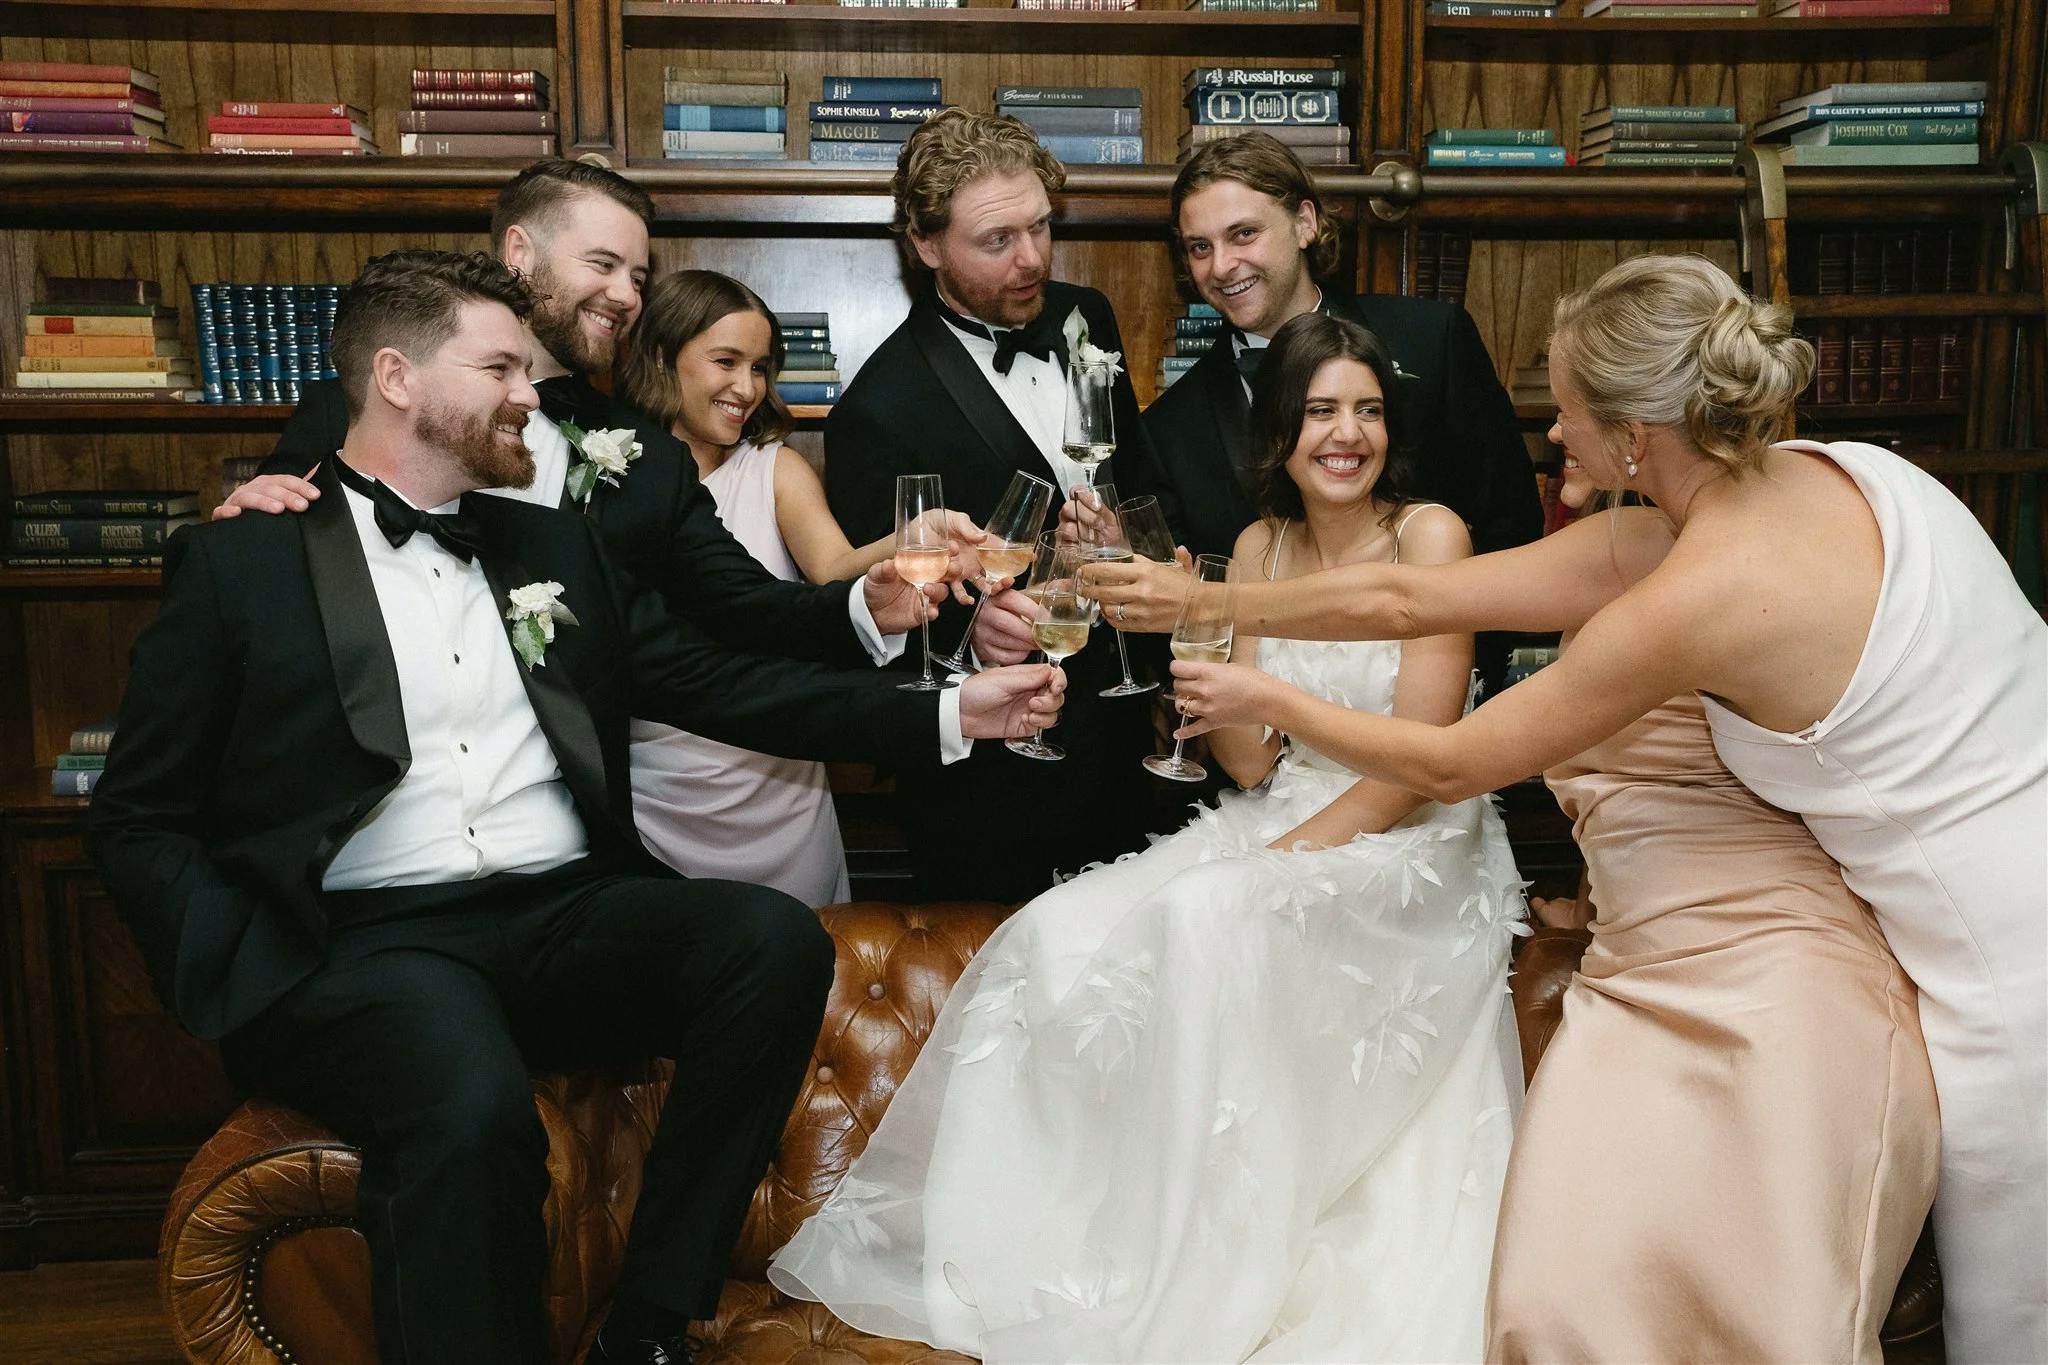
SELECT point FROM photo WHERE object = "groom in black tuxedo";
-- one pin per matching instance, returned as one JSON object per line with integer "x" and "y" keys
{"x": 972, "y": 387}
{"x": 369, "y": 820}
{"x": 1255, "y": 243}
{"x": 580, "y": 233}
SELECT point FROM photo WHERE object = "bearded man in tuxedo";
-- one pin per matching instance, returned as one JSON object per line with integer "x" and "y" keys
{"x": 972, "y": 386}
{"x": 368, "y": 817}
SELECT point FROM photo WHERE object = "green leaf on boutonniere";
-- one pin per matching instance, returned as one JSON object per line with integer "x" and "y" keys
{"x": 572, "y": 432}
{"x": 530, "y": 642}
{"x": 581, "y": 481}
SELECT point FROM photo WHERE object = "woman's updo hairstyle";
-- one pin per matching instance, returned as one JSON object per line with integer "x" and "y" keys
{"x": 1672, "y": 341}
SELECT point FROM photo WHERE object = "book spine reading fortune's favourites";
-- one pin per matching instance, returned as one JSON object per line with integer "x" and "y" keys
{"x": 93, "y": 535}
{"x": 1264, "y": 106}
{"x": 443, "y": 78}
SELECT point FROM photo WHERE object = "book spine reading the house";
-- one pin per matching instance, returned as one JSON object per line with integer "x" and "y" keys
{"x": 1263, "y": 106}
{"x": 94, "y": 503}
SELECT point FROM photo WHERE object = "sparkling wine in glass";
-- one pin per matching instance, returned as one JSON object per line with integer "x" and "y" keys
{"x": 1060, "y": 621}
{"x": 1012, "y": 544}
{"x": 1202, "y": 634}
{"x": 923, "y": 552}
{"x": 1090, "y": 435}
{"x": 1103, "y": 541}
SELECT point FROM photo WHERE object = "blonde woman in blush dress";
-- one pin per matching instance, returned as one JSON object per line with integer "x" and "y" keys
{"x": 1864, "y": 658}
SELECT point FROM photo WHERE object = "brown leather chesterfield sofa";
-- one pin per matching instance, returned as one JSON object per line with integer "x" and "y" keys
{"x": 259, "y": 1261}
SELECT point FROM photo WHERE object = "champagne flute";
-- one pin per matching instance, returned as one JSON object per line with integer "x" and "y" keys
{"x": 1103, "y": 541}
{"x": 1060, "y": 621}
{"x": 923, "y": 553}
{"x": 1012, "y": 544}
{"x": 1201, "y": 635}
{"x": 1090, "y": 436}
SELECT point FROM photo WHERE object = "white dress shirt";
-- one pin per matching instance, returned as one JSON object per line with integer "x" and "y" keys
{"x": 1035, "y": 392}
{"x": 484, "y": 793}
{"x": 1240, "y": 342}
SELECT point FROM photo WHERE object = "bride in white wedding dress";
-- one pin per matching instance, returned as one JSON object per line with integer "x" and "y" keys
{"x": 1246, "y": 1095}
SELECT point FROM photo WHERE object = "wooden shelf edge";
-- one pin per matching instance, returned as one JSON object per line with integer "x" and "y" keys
{"x": 67, "y": 581}
{"x": 1915, "y": 305}
{"x": 465, "y": 9}
{"x": 1772, "y": 27}
{"x": 62, "y": 414}
{"x": 1834, "y": 414}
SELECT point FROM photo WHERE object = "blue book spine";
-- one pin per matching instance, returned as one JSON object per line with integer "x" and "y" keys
{"x": 880, "y": 153}
{"x": 723, "y": 118}
{"x": 209, "y": 342}
{"x": 886, "y": 112}
{"x": 1097, "y": 121}
{"x": 1298, "y": 108}
{"x": 1496, "y": 156}
{"x": 867, "y": 89}
{"x": 1203, "y": 310}
{"x": 1094, "y": 151}
{"x": 808, "y": 393}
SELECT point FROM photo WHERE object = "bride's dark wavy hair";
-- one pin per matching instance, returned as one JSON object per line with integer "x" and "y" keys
{"x": 1280, "y": 399}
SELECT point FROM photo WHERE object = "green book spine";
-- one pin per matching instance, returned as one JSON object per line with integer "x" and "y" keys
{"x": 1673, "y": 113}
{"x": 1668, "y": 159}
{"x": 44, "y": 308}
{"x": 80, "y": 763}
{"x": 1910, "y": 132}
{"x": 1492, "y": 137}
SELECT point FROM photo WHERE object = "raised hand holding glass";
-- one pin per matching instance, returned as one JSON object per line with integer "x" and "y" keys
{"x": 1202, "y": 634}
{"x": 923, "y": 553}
{"x": 1013, "y": 531}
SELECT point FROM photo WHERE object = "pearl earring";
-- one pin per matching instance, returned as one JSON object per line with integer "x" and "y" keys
{"x": 1630, "y": 463}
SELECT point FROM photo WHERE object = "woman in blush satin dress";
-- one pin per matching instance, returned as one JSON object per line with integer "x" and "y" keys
{"x": 1866, "y": 662}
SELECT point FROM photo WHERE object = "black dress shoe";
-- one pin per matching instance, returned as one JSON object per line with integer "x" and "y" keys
{"x": 610, "y": 1350}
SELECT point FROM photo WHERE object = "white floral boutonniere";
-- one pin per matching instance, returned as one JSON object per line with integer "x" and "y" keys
{"x": 605, "y": 456}
{"x": 1082, "y": 351}
{"x": 535, "y": 609}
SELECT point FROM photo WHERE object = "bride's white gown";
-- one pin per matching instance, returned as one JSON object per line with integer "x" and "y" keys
{"x": 1210, "y": 1102}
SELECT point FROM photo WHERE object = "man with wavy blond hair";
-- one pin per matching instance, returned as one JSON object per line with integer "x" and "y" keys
{"x": 972, "y": 386}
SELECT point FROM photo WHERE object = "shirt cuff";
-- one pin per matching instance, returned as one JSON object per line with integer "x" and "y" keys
{"x": 953, "y": 745}
{"x": 881, "y": 648}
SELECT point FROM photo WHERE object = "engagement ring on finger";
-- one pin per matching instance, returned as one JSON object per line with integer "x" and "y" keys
{"x": 1119, "y": 613}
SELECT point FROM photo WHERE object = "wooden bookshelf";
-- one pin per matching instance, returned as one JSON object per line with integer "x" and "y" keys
{"x": 58, "y": 415}
{"x": 1650, "y": 40}
{"x": 1916, "y": 305}
{"x": 71, "y": 582}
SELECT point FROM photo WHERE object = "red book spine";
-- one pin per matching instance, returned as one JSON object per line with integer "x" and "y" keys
{"x": 277, "y": 109}
{"x": 58, "y": 142}
{"x": 63, "y": 71}
{"x": 67, "y": 123}
{"x": 73, "y": 104}
{"x": 288, "y": 151}
{"x": 476, "y": 99}
{"x": 305, "y": 126}
{"x": 1831, "y": 364}
{"x": 476, "y": 121}
{"x": 1859, "y": 9}
{"x": 440, "y": 78}
{"x": 1863, "y": 362}
{"x": 109, "y": 90}
{"x": 1892, "y": 360}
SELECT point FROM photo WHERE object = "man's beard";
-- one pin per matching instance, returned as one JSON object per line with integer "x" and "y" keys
{"x": 996, "y": 307}
{"x": 473, "y": 443}
{"x": 555, "y": 326}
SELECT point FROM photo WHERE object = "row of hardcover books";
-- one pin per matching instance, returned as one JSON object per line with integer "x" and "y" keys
{"x": 90, "y": 530}
{"x": 260, "y": 343}
{"x": 70, "y": 107}
{"x": 78, "y": 768}
{"x": 93, "y": 336}
{"x": 1899, "y": 358}
{"x": 810, "y": 370}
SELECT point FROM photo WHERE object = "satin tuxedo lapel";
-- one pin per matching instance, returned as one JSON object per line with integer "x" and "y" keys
{"x": 365, "y": 673}
{"x": 563, "y": 716}
{"x": 1007, "y": 441}
{"x": 568, "y": 398}
{"x": 1230, "y": 409}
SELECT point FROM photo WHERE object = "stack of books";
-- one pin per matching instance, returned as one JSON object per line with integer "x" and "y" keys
{"x": 1670, "y": 9}
{"x": 1897, "y": 358}
{"x": 468, "y": 92}
{"x": 101, "y": 340}
{"x": 1529, "y": 386}
{"x": 810, "y": 371}
{"x": 868, "y": 118}
{"x": 1493, "y": 147}
{"x": 267, "y": 128}
{"x": 80, "y": 107}
{"x": 1082, "y": 125}
{"x": 95, "y": 530}
{"x": 1661, "y": 135}
{"x": 1297, "y": 104}
{"x": 1194, "y": 332}
{"x": 258, "y": 343}
{"x": 710, "y": 113}
{"x": 1489, "y": 9}
{"x": 1854, "y": 9}
{"x": 1443, "y": 259}
{"x": 1891, "y": 123}
{"x": 79, "y": 767}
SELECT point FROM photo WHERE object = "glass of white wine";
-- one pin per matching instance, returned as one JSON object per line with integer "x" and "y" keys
{"x": 1060, "y": 622}
{"x": 923, "y": 552}
{"x": 1202, "y": 634}
{"x": 1012, "y": 544}
{"x": 1105, "y": 540}
{"x": 1090, "y": 436}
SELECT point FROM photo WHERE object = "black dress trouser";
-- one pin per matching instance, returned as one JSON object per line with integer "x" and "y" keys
{"x": 415, "y": 1039}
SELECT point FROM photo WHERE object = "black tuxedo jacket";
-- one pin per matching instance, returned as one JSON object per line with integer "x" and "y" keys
{"x": 659, "y": 522}
{"x": 262, "y": 723}
{"x": 1457, "y": 416}
{"x": 921, "y": 405}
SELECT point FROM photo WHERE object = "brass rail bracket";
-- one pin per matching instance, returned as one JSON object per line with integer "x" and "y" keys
{"x": 1763, "y": 202}
{"x": 1407, "y": 190}
{"x": 2027, "y": 163}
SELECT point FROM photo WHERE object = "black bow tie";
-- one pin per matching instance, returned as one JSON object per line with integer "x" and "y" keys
{"x": 457, "y": 533}
{"x": 1248, "y": 357}
{"x": 1042, "y": 337}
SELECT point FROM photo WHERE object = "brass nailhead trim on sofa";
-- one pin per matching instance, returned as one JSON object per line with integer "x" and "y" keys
{"x": 252, "y": 1270}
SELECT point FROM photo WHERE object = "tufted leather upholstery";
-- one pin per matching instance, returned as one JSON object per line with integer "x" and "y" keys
{"x": 257, "y": 1243}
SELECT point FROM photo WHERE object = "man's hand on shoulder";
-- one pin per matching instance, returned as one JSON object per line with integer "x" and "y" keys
{"x": 1011, "y": 703}
{"x": 270, "y": 493}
